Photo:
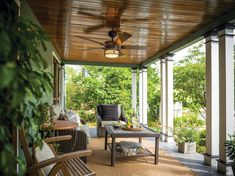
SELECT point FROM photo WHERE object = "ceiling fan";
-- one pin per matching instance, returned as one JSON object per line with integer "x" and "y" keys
{"x": 112, "y": 48}
{"x": 112, "y": 17}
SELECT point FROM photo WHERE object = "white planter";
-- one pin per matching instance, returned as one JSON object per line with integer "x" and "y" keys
{"x": 187, "y": 148}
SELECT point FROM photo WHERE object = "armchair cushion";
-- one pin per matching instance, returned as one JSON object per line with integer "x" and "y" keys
{"x": 43, "y": 154}
{"x": 110, "y": 112}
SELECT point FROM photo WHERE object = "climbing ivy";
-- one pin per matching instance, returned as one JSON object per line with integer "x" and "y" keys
{"x": 24, "y": 81}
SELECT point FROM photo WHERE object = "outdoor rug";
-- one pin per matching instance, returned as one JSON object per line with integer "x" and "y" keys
{"x": 99, "y": 162}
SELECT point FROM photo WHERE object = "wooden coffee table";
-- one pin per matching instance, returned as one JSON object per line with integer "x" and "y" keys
{"x": 119, "y": 133}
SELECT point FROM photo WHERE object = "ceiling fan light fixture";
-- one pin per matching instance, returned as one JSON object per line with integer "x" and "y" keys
{"x": 112, "y": 52}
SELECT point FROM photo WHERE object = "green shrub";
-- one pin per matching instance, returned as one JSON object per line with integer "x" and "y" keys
{"x": 187, "y": 128}
{"x": 88, "y": 116}
{"x": 201, "y": 141}
{"x": 230, "y": 147}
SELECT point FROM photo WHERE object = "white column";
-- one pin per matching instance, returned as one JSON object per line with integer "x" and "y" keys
{"x": 62, "y": 87}
{"x": 169, "y": 99}
{"x": 163, "y": 97}
{"x": 212, "y": 100}
{"x": 140, "y": 96}
{"x": 144, "y": 97}
{"x": 133, "y": 89}
{"x": 226, "y": 93}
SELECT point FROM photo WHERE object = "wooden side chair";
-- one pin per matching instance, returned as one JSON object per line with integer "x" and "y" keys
{"x": 46, "y": 162}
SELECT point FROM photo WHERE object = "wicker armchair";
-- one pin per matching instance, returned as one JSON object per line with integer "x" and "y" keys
{"x": 106, "y": 115}
{"x": 77, "y": 143}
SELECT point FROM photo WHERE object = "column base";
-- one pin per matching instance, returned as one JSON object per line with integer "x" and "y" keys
{"x": 210, "y": 160}
{"x": 224, "y": 168}
{"x": 168, "y": 139}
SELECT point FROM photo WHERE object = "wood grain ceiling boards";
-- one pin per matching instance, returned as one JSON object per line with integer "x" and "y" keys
{"x": 156, "y": 24}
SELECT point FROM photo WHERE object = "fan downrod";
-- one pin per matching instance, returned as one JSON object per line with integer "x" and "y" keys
{"x": 112, "y": 34}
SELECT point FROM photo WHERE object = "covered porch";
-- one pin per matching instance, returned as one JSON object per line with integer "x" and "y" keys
{"x": 78, "y": 31}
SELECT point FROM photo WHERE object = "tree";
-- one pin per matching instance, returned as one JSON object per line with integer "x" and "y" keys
{"x": 189, "y": 79}
{"x": 107, "y": 85}
{"x": 153, "y": 94}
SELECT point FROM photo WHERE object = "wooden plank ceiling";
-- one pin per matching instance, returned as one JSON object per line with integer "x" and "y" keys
{"x": 156, "y": 24}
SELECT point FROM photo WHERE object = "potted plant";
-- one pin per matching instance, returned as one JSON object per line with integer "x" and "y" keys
{"x": 230, "y": 150}
{"x": 185, "y": 138}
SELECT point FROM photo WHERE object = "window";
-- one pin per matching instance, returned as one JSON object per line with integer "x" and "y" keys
{"x": 56, "y": 81}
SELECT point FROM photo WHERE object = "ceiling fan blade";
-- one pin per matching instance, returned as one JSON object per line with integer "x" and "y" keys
{"x": 134, "y": 20}
{"x": 92, "y": 15}
{"x": 87, "y": 49}
{"x": 137, "y": 47}
{"x": 93, "y": 28}
{"x": 122, "y": 37}
{"x": 91, "y": 40}
{"x": 121, "y": 53}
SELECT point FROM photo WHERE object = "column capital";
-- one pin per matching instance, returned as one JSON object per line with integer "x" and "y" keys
{"x": 168, "y": 57}
{"x": 226, "y": 30}
{"x": 134, "y": 70}
{"x": 163, "y": 60}
{"x": 143, "y": 68}
{"x": 213, "y": 38}
{"x": 210, "y": 33}
{"x": 62, "y": 66}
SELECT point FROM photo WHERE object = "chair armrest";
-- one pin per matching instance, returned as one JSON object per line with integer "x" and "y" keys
{"x": 58, "y": 159}
{"x": 58, "y": 138}
{"x": 98, "y": 121}
{"x": 83, "y": 122}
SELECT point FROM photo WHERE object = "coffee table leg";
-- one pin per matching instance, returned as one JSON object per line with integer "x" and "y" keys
{"x": 113, "y": 152}
{"x": 140, "y": 140}
{"x": 106, "y": 140}
{"x": 156, "y": 150}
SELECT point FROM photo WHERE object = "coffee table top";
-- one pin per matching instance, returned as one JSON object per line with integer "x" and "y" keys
{"x": 146, "y": 132}
{"x": 64, "y": 125}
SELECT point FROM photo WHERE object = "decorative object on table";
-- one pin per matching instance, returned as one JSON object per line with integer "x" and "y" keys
{"x": 106, "y": 115}
{"x": 118, "y": 124}
{"x": 230, "y": 150}
{"x": 132, "y": 125}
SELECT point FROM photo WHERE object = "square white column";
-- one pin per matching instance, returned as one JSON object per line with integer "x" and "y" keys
{"x": 144, "y": 97}
{"x": 163, "y": 97}
{"x": 133, "y": 89}
{"x": 212, "y": 100}
{"x": 169, "y": 99}
{"x": 140, "y": 97}
{"x": 226, "y": 93}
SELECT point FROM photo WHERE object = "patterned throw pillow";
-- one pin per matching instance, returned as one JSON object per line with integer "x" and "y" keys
{"x": 130, "y": 148}
{"x": 72, "y": 116}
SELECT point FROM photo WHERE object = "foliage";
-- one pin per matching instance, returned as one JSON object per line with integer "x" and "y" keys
{"x": 47, "y": 124}
{"x": 24, "y": 81}
{"x": 106, "y": 85}
{"x": 186, "y": 128}
{"x": 230, "y": 147}
{"x": 189, "y": 79}
{"x": 201, "y": 141}
{"x": 154, "y": 96}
